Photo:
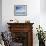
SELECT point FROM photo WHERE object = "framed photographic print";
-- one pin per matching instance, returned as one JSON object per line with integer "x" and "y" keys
{"x": 20, "y": 10}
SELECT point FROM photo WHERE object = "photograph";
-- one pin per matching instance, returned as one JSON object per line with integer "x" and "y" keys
{"x": 22, "y": 23}
{"x": 20, "y": 10}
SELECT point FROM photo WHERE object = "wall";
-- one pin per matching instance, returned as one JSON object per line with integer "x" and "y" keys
{"x": 33, "y": 10}
{"x": 0, "y": 15}
{"x": 34, "y": 14}
{"x": 43, "y": 14}
{"x": 43, "y": 6}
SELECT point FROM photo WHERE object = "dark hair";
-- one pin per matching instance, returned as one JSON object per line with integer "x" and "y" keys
{"x": 2, "y": 36}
